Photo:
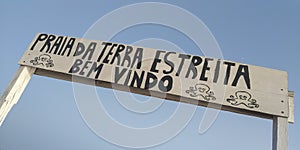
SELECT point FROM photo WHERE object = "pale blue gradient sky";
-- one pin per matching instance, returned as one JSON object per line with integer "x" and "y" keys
{"x": 262, "y": 33}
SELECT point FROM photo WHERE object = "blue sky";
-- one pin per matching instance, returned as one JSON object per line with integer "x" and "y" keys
{"x": 262, "y": 33}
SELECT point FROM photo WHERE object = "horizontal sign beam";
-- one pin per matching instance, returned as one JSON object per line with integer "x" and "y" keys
{"x": 171, "y": 75}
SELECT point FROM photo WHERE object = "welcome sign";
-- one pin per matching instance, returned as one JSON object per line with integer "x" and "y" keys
{"x": 167, "y": 74}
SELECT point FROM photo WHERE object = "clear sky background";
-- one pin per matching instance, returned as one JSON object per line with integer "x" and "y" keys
{"x": 262, "y": 33}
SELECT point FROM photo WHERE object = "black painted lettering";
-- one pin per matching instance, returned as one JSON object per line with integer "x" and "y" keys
{"x": 227, "y": 74}
{"x": 127, "y": 57}
{"x": 103, "y": 50}
{"x": 138, "y": 56}
{"x": 128, "y": 77}
{"x": 156, "y": 61}
{"x": 120, "y": 48}
{"x": 62, "y": 46}
{"x": 90, "y": 50}
{"x": 138, "y": 79}
{"x": 119, "y": 74}
{"x": 242, "y": 71}
{"x": 41, "y": 37}
{"x": 85, "y": 66}
{"x": 56, "y": 45}
{"x": 79, "y": 49}
{"x": 204, "y": 69}
{"x": 217, "y": 71}
{"x": 183, "y": 58}
{"x": 48, "y": 43}
{"x": 68, "y": 47}
{"x": 106, "y": 59}
{"x": 151, "y": 80}
{"x": 163, "y": 86}
{"x": 95, "y": 68}
{"x": 75, "y": 68}
{"x": 196, "y": 60}
{"x": 169, "y": 63}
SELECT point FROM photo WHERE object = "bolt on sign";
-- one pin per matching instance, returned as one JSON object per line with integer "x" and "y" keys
{"x": 237, "y": 87}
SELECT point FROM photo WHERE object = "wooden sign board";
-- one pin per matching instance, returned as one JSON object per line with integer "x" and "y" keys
{"x": 228, "y": 85}
{"x": 176, "y": 76}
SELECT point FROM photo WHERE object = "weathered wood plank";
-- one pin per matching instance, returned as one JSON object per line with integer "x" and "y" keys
{"x": 291, "y": 107}
{"x": 243, "y": 87}
{"x": 280, "y": 133}
{"x": 14, "y": 90}
{"x": 63, "y": 76}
